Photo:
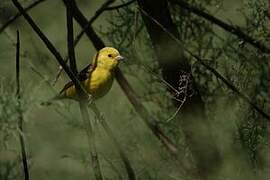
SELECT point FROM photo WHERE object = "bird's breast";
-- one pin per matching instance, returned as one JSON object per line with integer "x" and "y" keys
{"x": 99, "y": 82}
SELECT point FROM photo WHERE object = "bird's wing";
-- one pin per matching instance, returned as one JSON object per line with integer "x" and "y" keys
{"x": 82, "y": 76}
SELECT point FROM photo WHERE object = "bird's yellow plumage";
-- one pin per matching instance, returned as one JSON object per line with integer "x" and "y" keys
{"x": 99, "y": 77}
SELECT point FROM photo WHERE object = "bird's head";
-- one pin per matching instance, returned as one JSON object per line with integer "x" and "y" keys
{"x": 108, "y": 58}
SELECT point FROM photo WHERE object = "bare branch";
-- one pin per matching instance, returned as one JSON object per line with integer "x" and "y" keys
{"x": 70, "y": 41}
{"x": 120, "y": 6}
{"x": 229, "y": 28}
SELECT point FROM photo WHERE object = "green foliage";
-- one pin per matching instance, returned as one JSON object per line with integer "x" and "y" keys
{"x": 56, "y": 136}
{"x": 9, "y": 116}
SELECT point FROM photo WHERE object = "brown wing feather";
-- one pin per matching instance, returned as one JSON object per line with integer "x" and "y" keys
{"x": 83, "y": 74}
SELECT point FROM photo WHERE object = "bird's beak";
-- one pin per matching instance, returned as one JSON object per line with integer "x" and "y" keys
{"x": 119, "y": 58}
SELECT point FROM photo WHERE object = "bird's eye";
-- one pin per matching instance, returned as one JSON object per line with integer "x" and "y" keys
{"x": 110, "y": 55}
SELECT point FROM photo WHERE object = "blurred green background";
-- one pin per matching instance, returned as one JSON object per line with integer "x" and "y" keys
{"x": 55, "y": 137}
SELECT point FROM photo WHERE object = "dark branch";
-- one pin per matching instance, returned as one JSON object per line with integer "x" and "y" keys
{"x": 120, "y": 6}
{"x": 82, "y": 102}
{"x": 70, "y": 40}
{"x": 231, "y": 29}
{"x": 20, "y": 122}
{"x": 12, "y": 19}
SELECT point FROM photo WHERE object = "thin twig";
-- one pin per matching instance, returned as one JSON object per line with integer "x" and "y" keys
{"x": 119, "y": 6}
{"x": 217, "y": 74}
{"x": 42, "y": 77}
{"x": 109, "y": 132}
{"x": 113, "y": 167}
{"x": 20, "y": 122}
{"x": 13, "y": 18}
{"x": 229, "y": 28}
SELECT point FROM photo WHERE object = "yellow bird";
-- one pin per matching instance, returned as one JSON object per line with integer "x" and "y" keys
{"x": 98, "y": 78}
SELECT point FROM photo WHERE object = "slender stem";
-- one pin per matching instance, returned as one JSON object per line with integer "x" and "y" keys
{"x": 109, "y": 132}
{"x": 20, "y": 122}
{"x": 91, "y": 139}
{"x": 13, "y": 18}
{"x": 229, "y": 28}
{"x": 120, "y": 6}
